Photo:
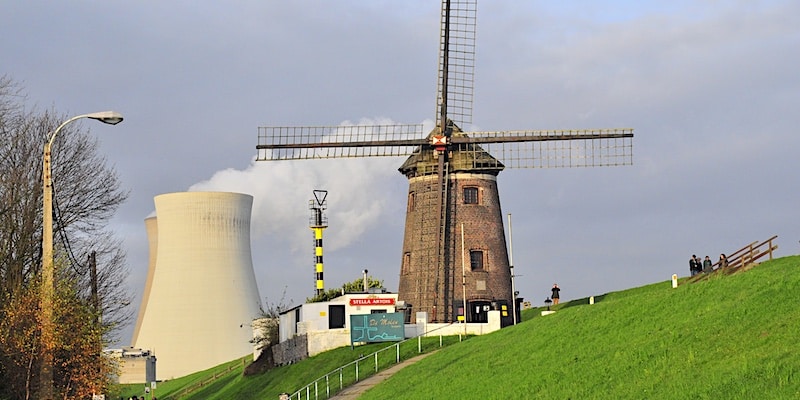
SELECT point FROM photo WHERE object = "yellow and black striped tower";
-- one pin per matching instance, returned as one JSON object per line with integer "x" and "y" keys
{"x": 318, "y": 224}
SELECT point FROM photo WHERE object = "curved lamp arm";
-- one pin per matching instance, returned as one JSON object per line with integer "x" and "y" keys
{"x": 107, "y": 117}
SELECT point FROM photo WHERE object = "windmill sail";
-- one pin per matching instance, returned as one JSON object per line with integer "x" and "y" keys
{"x": 515, "y": 149}
{"x": 456, "y": 62}
{"x": 348, "y": 141}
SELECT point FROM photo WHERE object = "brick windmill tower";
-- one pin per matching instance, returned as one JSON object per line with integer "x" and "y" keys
{"x": 454, "y": 259}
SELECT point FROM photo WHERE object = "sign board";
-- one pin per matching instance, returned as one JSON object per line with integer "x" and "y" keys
{"x": 382, "y": 327}
{"x": 371, "y": 301}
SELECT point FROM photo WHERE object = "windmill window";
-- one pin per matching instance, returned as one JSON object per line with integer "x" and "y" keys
{"x": 476, "y": 260}
{"x": 470, "y": 195}
{"x": 406, "y": 263}
{"x": 411, "y": 197}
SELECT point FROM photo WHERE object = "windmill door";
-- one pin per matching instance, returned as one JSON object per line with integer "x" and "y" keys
{"x": 479, "y": 311}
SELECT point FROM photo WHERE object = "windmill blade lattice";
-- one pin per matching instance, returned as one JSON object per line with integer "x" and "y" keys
{"x": 456, "y": 61}
{"x": 349, "y": 141}
{"x": 511, "y": 149}
{"x": 547, "y": 148}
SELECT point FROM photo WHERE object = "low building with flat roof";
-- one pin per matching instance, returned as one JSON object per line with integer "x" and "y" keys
{"x": 135, "y": 365}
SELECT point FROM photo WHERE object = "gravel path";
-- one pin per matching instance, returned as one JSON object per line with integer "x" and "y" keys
{"x": 354, "y": 391}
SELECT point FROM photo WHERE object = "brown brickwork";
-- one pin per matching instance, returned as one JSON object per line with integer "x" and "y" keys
{"x": 432, "y": 282}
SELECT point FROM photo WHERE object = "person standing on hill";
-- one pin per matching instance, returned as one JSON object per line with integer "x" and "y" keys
{"x": 723, "y": 261}
{"x": 694, "y": 265}
{"x": 707, "y": 265}
{"x": 555, "y": 293}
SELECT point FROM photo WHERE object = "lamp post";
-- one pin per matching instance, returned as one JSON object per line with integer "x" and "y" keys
{"x": 511, "y": 268}
{"x": 46, "y": 378}
{"x": 463, "y": 280}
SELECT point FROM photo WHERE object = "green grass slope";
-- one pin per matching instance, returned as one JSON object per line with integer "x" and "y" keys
{"x": 172, "y": 388}
{"x": 227, "y": 381}
{"x": 729, "y": 337}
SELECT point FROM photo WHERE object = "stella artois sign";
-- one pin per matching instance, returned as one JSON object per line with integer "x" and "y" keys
{"x": 371, "y": 301}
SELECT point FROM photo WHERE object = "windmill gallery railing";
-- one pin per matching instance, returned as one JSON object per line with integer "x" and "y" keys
{"x": 743, "y": 258}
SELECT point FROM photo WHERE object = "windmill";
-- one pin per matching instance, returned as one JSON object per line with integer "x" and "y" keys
{"x": 454, "y": 243}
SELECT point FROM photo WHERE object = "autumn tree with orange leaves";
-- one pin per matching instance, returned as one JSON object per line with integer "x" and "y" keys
{"x": 80, "y": 367}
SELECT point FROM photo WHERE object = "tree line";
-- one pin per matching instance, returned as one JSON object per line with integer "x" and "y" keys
{"x": 91, "y": 303}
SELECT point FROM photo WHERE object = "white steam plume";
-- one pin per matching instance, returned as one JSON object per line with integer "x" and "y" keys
{"x": 362, "y": 192}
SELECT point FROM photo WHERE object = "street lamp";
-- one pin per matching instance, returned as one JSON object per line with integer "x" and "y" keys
{"x": 46, "y": 378}
{"x": 511, "y": 270}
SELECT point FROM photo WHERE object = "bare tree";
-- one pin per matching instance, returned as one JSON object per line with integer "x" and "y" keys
{"x": 20, "y": 233}
{"x": 87, "y": 193}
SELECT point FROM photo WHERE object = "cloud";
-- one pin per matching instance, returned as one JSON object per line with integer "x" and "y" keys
{"x": 359, "y": 193}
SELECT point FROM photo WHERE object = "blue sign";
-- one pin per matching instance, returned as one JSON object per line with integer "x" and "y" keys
{"x": 383, "y": 327}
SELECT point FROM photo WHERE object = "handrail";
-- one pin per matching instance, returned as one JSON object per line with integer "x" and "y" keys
{"x": 207, "y": 381}
{"x": 753, "y": 254}
{"x": 737, "y": 254}
{"x": 312, "y": 390}
{"x": 748, "y": 253}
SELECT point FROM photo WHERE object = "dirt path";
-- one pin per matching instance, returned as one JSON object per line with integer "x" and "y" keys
{"x": 354, "y": 391}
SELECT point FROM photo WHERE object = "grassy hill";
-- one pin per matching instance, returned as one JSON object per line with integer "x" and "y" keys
{"x": 729, "y": 337}
{"x": 227, "y": 381}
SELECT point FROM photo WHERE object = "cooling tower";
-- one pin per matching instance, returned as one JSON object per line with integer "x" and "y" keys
{"x": 151, "y": 227}
{"x": 201, "y": 293}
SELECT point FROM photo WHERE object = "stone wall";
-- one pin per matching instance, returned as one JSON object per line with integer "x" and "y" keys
{"x": 422, "y": 328}
{"x": 320, "y": 341}
{"x": 291, "y": 351}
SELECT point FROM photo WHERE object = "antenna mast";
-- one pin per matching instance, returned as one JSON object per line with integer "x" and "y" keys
{"x": 318, "y": 223}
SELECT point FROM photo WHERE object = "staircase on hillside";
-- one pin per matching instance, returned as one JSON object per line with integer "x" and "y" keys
{"x": 741, "y": 260}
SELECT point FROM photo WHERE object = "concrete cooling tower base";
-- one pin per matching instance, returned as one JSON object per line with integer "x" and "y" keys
{"x": 201, "y": 293}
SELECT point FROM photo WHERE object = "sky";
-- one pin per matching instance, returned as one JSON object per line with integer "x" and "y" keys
{"x": 711, "y": 89}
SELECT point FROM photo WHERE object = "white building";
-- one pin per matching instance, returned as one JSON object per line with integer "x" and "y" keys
{"x": 200, "y": 295}
{"x": 326, "y": 324}
{"x": 312, "y": 328}
{"x": 135, "y": 365}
